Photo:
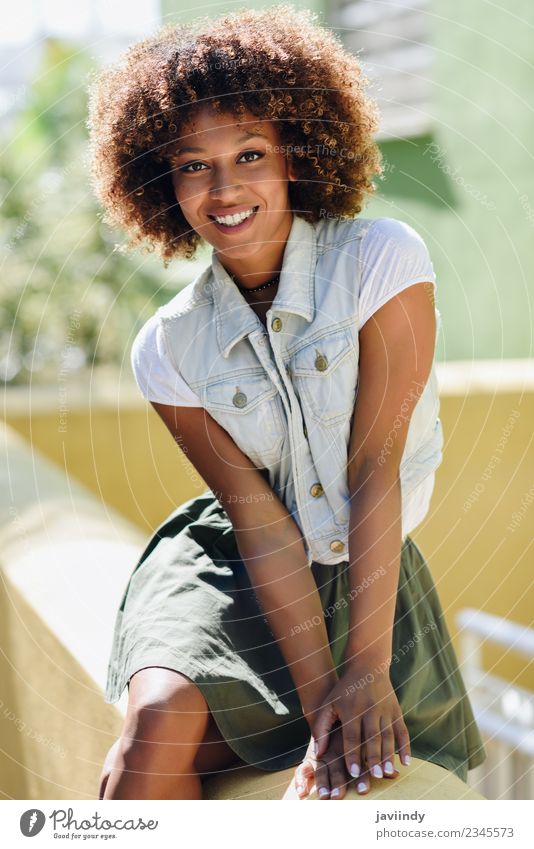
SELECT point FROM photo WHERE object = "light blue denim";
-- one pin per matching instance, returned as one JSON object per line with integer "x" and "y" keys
{"x": 286, "y": 392}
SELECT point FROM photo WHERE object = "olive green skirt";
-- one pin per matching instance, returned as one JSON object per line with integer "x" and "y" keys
{"x": 189, "y": 606}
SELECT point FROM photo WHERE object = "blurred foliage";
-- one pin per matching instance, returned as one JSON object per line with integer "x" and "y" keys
{"x": 67, "y": 299}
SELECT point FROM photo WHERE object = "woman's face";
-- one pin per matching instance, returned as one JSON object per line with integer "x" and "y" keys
{"x": 224, "y": 166}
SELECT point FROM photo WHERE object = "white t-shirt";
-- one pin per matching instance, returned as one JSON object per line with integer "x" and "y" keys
{"x": 393, "y": 256}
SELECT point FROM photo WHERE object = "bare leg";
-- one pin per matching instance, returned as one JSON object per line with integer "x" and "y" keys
{"x": 165, "y": 723}
{"x": 111, "y": 762}
{"x": 169, "y": 736}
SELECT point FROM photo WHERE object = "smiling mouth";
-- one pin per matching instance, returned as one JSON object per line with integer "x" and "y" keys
{"x": 236, "y": 219}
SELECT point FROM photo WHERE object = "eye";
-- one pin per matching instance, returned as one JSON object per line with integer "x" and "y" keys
{"x": 252, "y": 153}
{"x": 185, "y": 168}
{"x": 191, "y": 169}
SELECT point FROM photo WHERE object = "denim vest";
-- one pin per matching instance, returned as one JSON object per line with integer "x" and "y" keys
{"x": 286, "y": 392}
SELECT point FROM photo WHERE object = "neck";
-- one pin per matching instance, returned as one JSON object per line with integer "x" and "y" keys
{"x": 266, "y": 296}
{"x": 269, "y": 259}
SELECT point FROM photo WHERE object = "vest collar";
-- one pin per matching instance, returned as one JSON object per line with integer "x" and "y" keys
{"x": 234, "y": 317}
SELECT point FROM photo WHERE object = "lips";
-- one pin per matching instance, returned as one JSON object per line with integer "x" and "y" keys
{"x": 233, "y": 228}
{"x": 230, "y": 210}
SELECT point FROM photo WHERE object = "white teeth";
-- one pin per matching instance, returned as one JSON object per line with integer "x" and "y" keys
{"x": 232, "y": 220}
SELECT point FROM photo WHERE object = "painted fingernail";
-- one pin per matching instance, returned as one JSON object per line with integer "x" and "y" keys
{"x": 354, "y": 770}
{"x": 362, "y": 787}
{"x": 407, "y": 759}
{"x": 388, "y": 767}
{"x": 335, "y": 792}
{"x": 323, "y": 791}
{"x": 376, "y": 770}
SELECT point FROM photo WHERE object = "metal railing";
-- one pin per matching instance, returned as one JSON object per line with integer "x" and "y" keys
{"x": 503, "y": 710}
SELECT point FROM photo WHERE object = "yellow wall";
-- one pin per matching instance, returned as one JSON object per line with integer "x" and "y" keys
{"x": 477, "y": 558}
{"x": 126, "y": 457}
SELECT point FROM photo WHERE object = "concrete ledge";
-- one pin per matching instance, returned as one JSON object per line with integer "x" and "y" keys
{"x": 420, "y": 780}
{"x": 485, "y": 377}
{"x": 68, "y": 555}
{"x": 65, "y": 559}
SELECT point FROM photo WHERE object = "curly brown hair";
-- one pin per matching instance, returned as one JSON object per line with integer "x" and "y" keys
{"x": 277, "y": 64}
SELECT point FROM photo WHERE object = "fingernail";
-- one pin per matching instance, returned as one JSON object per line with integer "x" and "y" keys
{"x": 388, "y": 767}
{"x": 376, "y": 771}
{"x": 323, "y": 791}
{"x": 354, "y": 770}
{"x": 362, "y": 787}
{"x": 315, "y": 746}
{"x": 407, "y": 759}
{"x": 335, "y": 792}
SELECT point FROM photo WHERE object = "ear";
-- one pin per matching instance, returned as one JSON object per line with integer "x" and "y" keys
{"x": 291, "y": 175}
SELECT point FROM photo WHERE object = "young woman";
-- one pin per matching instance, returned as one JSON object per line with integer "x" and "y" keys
{"x": 286, "y": 605}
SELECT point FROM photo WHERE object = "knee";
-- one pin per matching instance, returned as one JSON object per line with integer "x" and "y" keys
{"x": 176, "y": 715}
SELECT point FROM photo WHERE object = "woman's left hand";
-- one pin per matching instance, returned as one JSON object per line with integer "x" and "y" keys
{"x": 329, "y": 774}
{"x": 372, "y": 724}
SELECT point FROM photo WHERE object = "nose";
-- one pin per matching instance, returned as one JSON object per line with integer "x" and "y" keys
{"x": 225, "y": 184}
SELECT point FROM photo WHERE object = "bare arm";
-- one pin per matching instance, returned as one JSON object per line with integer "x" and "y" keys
{"x": 270, "y": 544}
{"x": 396, "y": 353}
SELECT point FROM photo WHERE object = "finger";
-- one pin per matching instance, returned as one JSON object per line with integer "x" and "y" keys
{"x": 321, "y": 728}
{"x": 403, "y": 740}
{"x": 363, "y": 783}
{"x": 393, "y": 774}
{"x": 373, "y": 743}
{"x": 304, "y": 776}
{"x": 352, "y": 741}
{"x": 388, "y": 747}
{"x": 322, "y": 780}
{"x": 338, "y": 776}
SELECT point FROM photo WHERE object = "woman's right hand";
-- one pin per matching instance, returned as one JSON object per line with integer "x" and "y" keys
{"x": 328, "y": 773}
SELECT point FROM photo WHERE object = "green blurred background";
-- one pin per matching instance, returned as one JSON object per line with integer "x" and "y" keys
{"x": 454, "y": 84}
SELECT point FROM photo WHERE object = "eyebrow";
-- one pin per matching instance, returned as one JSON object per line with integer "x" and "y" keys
{"x": 244, "y": 137}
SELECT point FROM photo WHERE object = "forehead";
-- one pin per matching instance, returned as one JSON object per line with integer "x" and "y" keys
{"x": 208, "y": 124}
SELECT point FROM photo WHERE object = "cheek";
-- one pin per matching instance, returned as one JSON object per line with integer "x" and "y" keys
{"x": 187, "y": 198}
{"x": 273, "y": 179}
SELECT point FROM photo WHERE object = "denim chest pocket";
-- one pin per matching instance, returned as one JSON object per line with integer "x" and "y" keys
{"x": 249, "y": 408}
{"x": 325, "y": 374}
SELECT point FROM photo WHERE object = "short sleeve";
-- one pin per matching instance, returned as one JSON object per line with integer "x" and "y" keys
{"x": 154, "y": 374}
{"x": 393, "y": 256}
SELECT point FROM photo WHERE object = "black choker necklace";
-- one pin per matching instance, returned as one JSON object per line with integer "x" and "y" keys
{"x": 269, "y": 283}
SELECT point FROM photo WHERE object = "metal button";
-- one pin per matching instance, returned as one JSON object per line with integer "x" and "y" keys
{"x": 316, "y": 490}
{"x": 276, "y": 324}
{"x": 239, "y": 399}
{"x": 321, "y": 363}
{"x": 337, "y": 546}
